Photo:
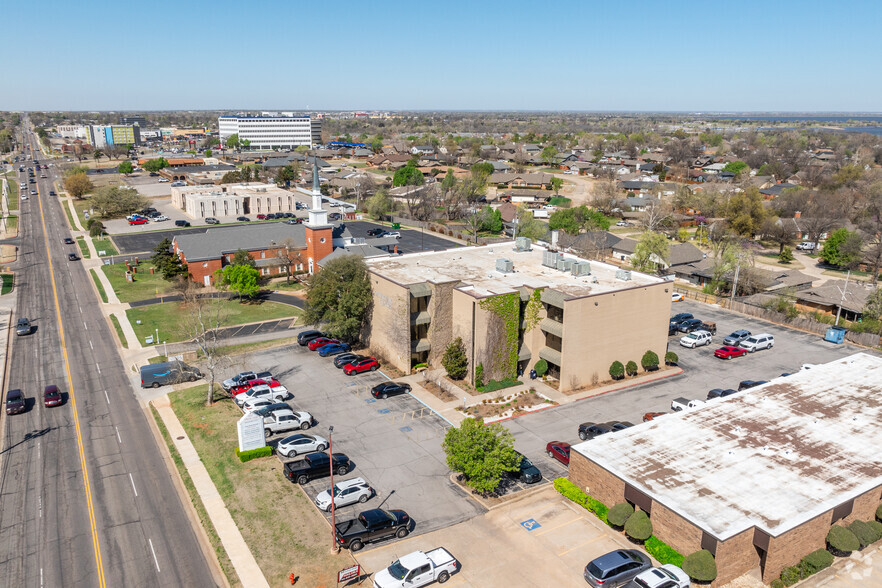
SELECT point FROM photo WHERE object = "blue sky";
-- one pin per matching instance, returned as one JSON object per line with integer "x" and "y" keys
{"x": 663, "y": 55}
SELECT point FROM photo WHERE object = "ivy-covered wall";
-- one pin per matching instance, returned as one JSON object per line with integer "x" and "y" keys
{"x": 501, "y": 343}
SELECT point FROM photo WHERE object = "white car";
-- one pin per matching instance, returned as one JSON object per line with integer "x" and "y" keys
{"x": 395, "y": 234}
{"x": 253, "y": 404}
{"x": 276, "y": 394}
{"x": 622, "y": 224}
{"x": 162, "y": 180}
{"x": 757, "y": 342}
{"x": 300, "y": 443}
{"x": 345, "y": 493}
{"x": 667, "y": 576}
{"x": 696, "y": 339}
{"x": 159, "y": 219}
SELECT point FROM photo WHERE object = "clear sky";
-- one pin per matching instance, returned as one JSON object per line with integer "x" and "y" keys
{"x": 668, "y": 55}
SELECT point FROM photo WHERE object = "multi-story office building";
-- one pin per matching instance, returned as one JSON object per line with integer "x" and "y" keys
{"x": 272, "y": 130}
{"x": 513, "y": 305}
{"x": 73, "y": 131}
{"x": 133, "y": 119}
{"x": 103, "y": 135}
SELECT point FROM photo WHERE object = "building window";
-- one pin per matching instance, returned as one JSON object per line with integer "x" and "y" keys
{"x": 322, "y": 240}
{"x": 263, "y": 254}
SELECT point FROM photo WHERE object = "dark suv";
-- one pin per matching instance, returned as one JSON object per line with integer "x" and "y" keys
{"x": 15, "y": 402}
{"x": 591, "y": 430}
{"x": 526, "y": 472}
{"x": 315, "y": 465}
{"x": 676, "y": 320}
{"x": 616, "y": 568}
{"x": 690, "y": 325}
{"x": 306, "y": 336}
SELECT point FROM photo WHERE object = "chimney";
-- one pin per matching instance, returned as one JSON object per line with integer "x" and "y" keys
{"x": 797, "y": 214}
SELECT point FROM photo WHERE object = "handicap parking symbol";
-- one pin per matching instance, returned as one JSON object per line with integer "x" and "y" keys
{"x": 530, "y": 524}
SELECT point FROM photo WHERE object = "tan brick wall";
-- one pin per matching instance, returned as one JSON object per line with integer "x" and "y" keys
{"x": 389, "y": 325}
{"x": 865, "y": 507}
{"x": 675, "y": 530}
{"x": 441, "y": 327}
{"x": 463, "y": 305}
{"x": 596, "y": 481}
{"x": 788, "y": 548}
{"x": 735, "y": 556}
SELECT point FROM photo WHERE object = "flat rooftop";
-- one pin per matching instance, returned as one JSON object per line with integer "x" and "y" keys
{"x": 774, "y": 456}
{"x": 475, "y": 267}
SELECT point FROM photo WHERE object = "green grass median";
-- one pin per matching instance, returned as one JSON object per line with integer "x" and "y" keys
{"x": 99, "y": 286}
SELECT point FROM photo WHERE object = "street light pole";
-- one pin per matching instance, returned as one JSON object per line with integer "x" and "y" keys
{"x": 334, "y": 546}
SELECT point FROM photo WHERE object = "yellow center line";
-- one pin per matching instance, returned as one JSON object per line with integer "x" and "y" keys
{"x": 73, "y": 399}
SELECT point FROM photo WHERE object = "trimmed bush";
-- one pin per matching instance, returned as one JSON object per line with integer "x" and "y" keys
{"x": 664, "y": 553}
{"x": 864, "y": 533}
{"x": 700, "y": 566}
{"x": 616, "y": 370}
{"x": 638, "y": 527}
{"x": 777, "y": 583}
{"x": 631, "y": 368}
{"x": 815, "y": 562}
{"x": 790, "y": 576}
{"x": 649, "y": 361}
{"x": 877, "y": 527}
{"x": 618, "y": 514}
{"x": 841, "y": 541}
{"x": 671, "y": 358}
{"x": 572, "y": 492}
{"x": 254, "y": 453}
{"x": 541, "y": 367}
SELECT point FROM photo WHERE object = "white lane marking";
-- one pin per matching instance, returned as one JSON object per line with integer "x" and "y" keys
{"x": 156, "y": 561}
{"x": 85, "y": 325}
{"x": 133, "y": 484}
{"x": 90, "y": 345}
{"x": 118, "y": 438}
{"x": 107, "y": 397}
{"x": 99, "y": 368}
{"x": 81, "y": 308}
{"x": 40, "y": 505}
{"x": 41, "y": 576}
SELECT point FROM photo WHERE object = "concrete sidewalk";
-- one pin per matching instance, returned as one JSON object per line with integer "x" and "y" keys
{"x": 237, "y": 550}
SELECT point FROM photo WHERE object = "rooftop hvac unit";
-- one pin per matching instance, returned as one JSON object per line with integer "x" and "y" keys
{"x": 523, "y": 244}
{"x": 549, "y": 258}
{"x": 624, "y": 275}
{"x": 564, "y": 265}
{"x": 504, "y": 265}
{"x": 581, "y": 268}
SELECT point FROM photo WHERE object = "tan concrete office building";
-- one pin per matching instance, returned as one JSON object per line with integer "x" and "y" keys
{"x": 231, "y": 200}
{"x": 756, "y": 478}
{"x": 512, "y": 305}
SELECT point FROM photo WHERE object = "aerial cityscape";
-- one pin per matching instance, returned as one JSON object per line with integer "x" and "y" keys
{"x": 358, "y": 294}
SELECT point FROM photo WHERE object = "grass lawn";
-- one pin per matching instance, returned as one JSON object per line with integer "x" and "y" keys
{"x": 98, "y": 285}
{"x": 12, "y": 223}
{"x": 84, "y": 248}
{"x": 157, "y": 359}
{"x": 81, "y": 206}
{"x": 206, "y": 523}
{"x": 70, "y": 218}
{"x": 293, "y": 286}
{"x": 119, "y": 331}
{"x": 146, "y": 285}
{"x": 168, "y": 317}
{"x": 106, "y": 246}
{"x": 278, "y": 521}
{"x": 13, "y": 193}
{"x": 8, "y": 281}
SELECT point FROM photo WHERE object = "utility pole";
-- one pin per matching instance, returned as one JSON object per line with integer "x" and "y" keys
{"x": 842, "y": 300}
{"x": 334, "y": 547}
{"x": 735, "y": 284}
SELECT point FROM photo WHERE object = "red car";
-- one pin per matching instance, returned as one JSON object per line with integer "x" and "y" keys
{"x": 261, "y": 217}
{"x": 316, "y": 343}
{"x": 728, "y": 352}
{"x": 651, "y": 415}
{"x": 560, "y": 451}
{"x": 246, "y": 386}
{"x": 363, "y": 365}
{"x": 138, "y": 221}
{"x": 51, "y": 396}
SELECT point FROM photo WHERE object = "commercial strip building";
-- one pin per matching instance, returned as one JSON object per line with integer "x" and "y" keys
{"x": 514, "y": 304}
{"x": 233, "y": 199}
{"x": 756, "y": 478}
{"x": 272, "y": 130}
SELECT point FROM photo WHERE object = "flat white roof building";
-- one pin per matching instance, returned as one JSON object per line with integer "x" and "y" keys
{"x": 232, "y": 200}
{"x": 271, "y": 132}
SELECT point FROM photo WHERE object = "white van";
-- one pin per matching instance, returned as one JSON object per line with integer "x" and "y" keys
{"x": 757, "y": 342}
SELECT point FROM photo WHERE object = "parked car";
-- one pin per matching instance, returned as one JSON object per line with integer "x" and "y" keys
{"x": 696, "y": 339}
{"x": 360, "y": 366}
{"x": 677, "y": 297}
{"x": 371, "y": 526}
{"x": 182, "y": 223}
{"x": 745, "y": 384}
{"x": 676, "y": 320}
{"x": 387, "y": 389}
{"x": 417, "y": 569}
{"x": 163, "y": 180}
{"x": 736, "y": 337}
{"x": 304, "y": 337}
{"x": 243, "y": 219}
{"x": 728, "y": 352}
{"x": 592, "y": 430}
{"x": 559, "y": 450}
{"x": 649, "y": 416}
{"x": 168, "y": 372}
{"x": 757, "y": 342}
{"x": 247, "y": 385}
{"x": 345, "y": 359}
{"x": 315, "y": 465}
{"x": 239, "y": 378}
{"x": 689, "y": 325}
{"x": 52, "y": 397}
{"x": 273, "y": 393}
{"x": 23, "y": 326}
{"x": 301, "y": 443}
{"x": 254, "y": 404}
{"x": 526, "y": 472}
{"x": 281, "y": 421}
{"x": 261, "y": 217}
{"x": 720, "y": 393}
{"x": 15, "y": 402}
{"x": 616, "y": 568}
{"x": 210, "y": 220}
{"x": 138, "y": 221}
{"x": 333, "y": 349}
{"x": 320, "y": 341}
{"x": 275, "y": 407}
{"x": 375, "y": 232}
{"x": 345, "y": 493}
{"x": 395, "y": 234}
{"x": 666, "y": 576}
{"x": 806, "y": 246}
{"x": 678, "y": 404}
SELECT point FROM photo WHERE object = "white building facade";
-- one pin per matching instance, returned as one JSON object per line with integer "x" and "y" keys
{"x": 73, "y": 131}
{"x": 272, "y": 131}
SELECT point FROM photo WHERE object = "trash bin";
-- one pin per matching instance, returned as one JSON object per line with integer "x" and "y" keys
{"x": 396, "y": 226}
{"x": 835, "y": 334}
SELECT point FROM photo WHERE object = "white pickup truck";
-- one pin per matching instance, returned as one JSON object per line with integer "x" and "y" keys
{"x": 678, "y": 404}
{"x": 273, "y": 394}
{"x": 286, "y": 420}
{"x": 417, "y": 569}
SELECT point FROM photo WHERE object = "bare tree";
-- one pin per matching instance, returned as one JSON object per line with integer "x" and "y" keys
{"x": 657, "y": 216}
{"x": 203, "y": 323}
{"x": 604, "y": 195}
{"x": 823, "y": 214}
{"x": 289, "y": 257}
{"x": 780, "y": 231}
{"x": 364, "y": 187}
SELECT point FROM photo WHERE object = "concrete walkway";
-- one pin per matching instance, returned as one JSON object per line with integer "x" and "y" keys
{"x": 237, "y": 550}
{"x": 860, "y": 570}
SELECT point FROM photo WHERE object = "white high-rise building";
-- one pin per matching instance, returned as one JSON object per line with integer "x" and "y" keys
{"x": 273, "y": 131}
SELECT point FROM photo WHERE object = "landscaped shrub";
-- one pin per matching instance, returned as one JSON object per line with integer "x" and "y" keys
{"x": 619, "y": 514}
{"x": 664, "y": 553}
{"x": 254, "y": 453}
{"x": 455, "y": 360}
{"x": 572, "y": 492}
{"x": 631, "y": 368}
{"x": 879, "y": 513}
{"x": 790, "y": 576}
{"x": 479, "y": 376}
{"x": 541, "y": 367}
{"x": 864, "y": 533}
{"x": 815, "y": 562}
{"x": 841, "y": 541}
{"x": 494, "y": 385}
{"x": 649, "y": 361}
{"x": 777, "y": 583}
{"x": 616, "y": 370}
{"x": 877, "y": 527}
{"x": 700, "y": 566}
{"x": 671, "y": 358}
{"x": 638, "y": 527}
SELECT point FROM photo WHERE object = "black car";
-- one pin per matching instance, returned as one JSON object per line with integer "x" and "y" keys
{"x": 15, "y": 402}
{"x": 526, "y": 472}
{"x": 72, "y": 257}
{"x": 375, "y": 232}
{"x": 272, "y": 216}
{"x": 52, "y": 192}
{"x": 720, "y": 393}
{"x": 153, "y": 174}
{"x": 304, "y": 337}
{"x": 690, "y": 325}
{"x": 679, "y": 318}
{"x": 344, "y": 359}
{"x": 592, "y": 430}
{"x": 745, "y": 384}
{"x": 182, "y": 223}
{"x": 243, "y": 219}
{"x": 265, "y": 411}
{"x": 316, "y": 465}
{"x": 372, "y": 525}
{"x": 387, "y": 389}
{"x": 737, "y": 337}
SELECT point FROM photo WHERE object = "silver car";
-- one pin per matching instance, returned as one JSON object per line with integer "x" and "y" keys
{"x": 301, "y": 443}
{"x": 345, "y": 493}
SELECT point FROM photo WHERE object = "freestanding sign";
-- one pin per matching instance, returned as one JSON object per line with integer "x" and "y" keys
{"x": 348, "y": 574}
{"x": 251, "y": 435}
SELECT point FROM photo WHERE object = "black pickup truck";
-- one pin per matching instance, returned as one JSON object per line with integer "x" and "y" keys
{"x": 315, "y": 465}
{"x": 373, "y": 525}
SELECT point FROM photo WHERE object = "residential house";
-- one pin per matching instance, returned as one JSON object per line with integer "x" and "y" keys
{"x": 832, "y": 296}
{"x": 525, "y": 180}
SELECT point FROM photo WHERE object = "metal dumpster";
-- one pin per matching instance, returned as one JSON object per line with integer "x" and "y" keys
{"x": 835, "y": 334}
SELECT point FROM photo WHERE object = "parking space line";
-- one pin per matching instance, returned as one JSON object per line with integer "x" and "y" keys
{"x": 560, "y": 525}
{"x": 590, "y": 541}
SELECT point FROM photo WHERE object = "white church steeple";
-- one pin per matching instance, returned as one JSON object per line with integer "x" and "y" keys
{"x": 317, "y": 216}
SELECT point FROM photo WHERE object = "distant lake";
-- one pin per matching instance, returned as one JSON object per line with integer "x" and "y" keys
{"x": 788, "y": 118}
{"x": 870, "y": 130}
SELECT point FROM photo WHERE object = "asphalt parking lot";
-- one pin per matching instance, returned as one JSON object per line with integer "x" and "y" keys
{"x": 394, "y": 444}
{"x": 412, "y": 240}
{"x": 702, "y": 372}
